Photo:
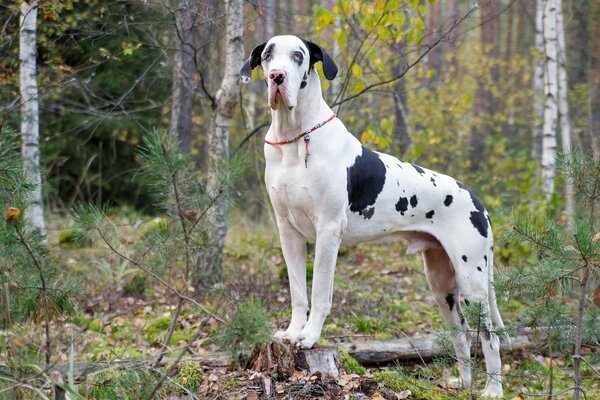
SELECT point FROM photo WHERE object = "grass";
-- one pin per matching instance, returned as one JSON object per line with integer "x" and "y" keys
{"x": 380, "y": 292}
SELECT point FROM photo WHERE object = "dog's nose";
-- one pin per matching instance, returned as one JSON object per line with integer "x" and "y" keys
{"x": 277, "y": 76}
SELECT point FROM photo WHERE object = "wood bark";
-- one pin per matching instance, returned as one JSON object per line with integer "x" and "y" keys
{"x": 538, "y": 82}
{"x": 563, "y": 108}
{"x": 485, "y": 101}
{"x": 30, "y": 131}
{"x": 209, "y": 267}
{"x": 184, "y": 65}
{"x": 550, "y": 97}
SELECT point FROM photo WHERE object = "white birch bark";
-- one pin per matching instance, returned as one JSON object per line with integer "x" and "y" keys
{"x": 563, "y": 107}
{"x": 30, "y": 132}
{"x": 550, "y": 97}
{"x": 227, "y": 98}
{"x": 538, "y": 81}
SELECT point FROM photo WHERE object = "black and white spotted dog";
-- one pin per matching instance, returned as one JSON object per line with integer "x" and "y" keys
{"x": 326, "y": 187}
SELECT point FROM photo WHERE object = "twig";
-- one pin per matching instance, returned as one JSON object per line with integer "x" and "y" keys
{"x": 158, "y": 278}
{"x": 410, "y": 66}
{"x": 43, "y": 293}
{"x": 165, "y": 345}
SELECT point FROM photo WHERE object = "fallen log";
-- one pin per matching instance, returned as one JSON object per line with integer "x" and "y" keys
{"x": 366, "y": 352}
{"x": 423, "y": 347}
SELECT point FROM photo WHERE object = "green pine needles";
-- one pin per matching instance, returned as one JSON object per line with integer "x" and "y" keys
{"x": 32, "y": 286}
{"x": 557, "y": 280}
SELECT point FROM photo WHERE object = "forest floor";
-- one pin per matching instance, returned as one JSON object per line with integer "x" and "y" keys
{"x": 380, "y": 293}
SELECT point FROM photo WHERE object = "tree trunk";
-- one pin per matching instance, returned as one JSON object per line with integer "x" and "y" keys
{"x": 538, "y": 81}
{"x": 486, "y": 106}
{"x": 550, "y": 99}
{"x": 434, "y": 58}
{"x": 30, "y": 131}
{"x": 563, "y": 108}
{"x": 183, "y": 70}
{"x": 401, "y": 131}
{"x": 209, "y": 266}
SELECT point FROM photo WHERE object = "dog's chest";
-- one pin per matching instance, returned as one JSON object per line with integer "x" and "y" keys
{"x": 292, "y": 193}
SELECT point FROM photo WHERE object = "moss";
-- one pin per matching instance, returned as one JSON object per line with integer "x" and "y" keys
{"x": 350, "y": 364}
{"x": 155, "y": 227}
{"x": 419, "y": 388}
{"x": 230, "y": 385}
{"x": 120, "y": 384}
{"x": 190, "y": 375}
{"x": 157, "y": 329}
{"x": 95, "y": 325}
{"x": 73, "y": 238}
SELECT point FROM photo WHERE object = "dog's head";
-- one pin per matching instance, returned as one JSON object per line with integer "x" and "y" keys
{"x": 287, "y": 62}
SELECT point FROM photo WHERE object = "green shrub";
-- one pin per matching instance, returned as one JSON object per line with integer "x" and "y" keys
{"x": 190, "y": 375}
{"x": 120, "y": 384}
{"x": 73, "y": 238}
{"x": 247, "y": 328}
{"x": 136, "y": 286}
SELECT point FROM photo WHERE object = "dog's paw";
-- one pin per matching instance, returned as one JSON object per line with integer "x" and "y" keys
{"x": 308, "y": 340}
{"x": 289, "y": 335}
{"x": 492, "y": 392}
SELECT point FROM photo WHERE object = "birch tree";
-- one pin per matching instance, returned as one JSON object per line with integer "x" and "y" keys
{"x": 550, "y": 97}
{"x": 30, "y": 132}
{"x": 538, "y": 80}
{"x": 209, "y": 266}
{"x": 563, "y": 106}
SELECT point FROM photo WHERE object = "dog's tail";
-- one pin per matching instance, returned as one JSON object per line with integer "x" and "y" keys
{"x": 494, "y": 312}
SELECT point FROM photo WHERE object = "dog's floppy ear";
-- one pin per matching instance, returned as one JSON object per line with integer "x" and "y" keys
{"x": 318, "y": 54}
{"x": 252, "y": 62}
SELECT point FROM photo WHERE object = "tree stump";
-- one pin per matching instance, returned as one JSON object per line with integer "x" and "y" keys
{"x": 283, "y": 359}
{"x": 320, "y": 359}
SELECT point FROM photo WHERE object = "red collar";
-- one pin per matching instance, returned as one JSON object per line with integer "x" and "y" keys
{"x": 304, "y": 135}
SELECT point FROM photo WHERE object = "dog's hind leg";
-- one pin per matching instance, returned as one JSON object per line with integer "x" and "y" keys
{"x": 490, "y": 344}
{"x": 442, "y": 281}
{"x": 293, "y": 246}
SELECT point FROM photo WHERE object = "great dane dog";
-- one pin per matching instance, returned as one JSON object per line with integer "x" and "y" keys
{"x": 326, "y": 187}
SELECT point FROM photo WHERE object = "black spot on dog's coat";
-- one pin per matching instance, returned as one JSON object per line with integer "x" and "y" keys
{"x": 479, "y": 269}
{"x": 303, "y": 84}
{"x": 402, "y": 205}
{"x": 464, "y": 258}
{"x": 418, "y": 169}
{"x": 367, "y": 212}
{"x": 478, "y": 218}
{"x": 365, "y": 180}
{"x": 414, "y": 201}
{"x": 432, "y": 181}
{"x": 485, "y": 259}
{"x": 430, "y": 214}
{"x": 450, "y": 301}
{"x": 448, "y": 200}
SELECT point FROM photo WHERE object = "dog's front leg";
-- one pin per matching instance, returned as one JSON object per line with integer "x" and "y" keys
{"x": 293, "y": 245}
{"x": 326, "y": 250}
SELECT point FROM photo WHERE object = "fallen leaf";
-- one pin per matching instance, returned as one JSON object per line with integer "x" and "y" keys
{"x": 213, "y": 378}
{"x": 252, "y": 395}
{"x": 279, "y": 388}
{"x": 403, "y": 394}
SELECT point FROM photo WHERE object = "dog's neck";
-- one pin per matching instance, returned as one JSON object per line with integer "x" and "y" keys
{"x": 287, "y": 124}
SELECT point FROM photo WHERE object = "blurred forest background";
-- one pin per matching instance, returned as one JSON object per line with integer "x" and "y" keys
{"x": 144, "y": 165}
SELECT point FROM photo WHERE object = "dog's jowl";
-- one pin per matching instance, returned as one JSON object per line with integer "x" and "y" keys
{"x": 326, "y": 187}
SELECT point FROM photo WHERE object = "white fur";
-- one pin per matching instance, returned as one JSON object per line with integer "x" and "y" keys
{"x": 311, "y": 202}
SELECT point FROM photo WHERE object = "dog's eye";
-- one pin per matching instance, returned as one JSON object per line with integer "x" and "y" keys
{"x": 298, "y": 57}
{"x": 267, "y": 56}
